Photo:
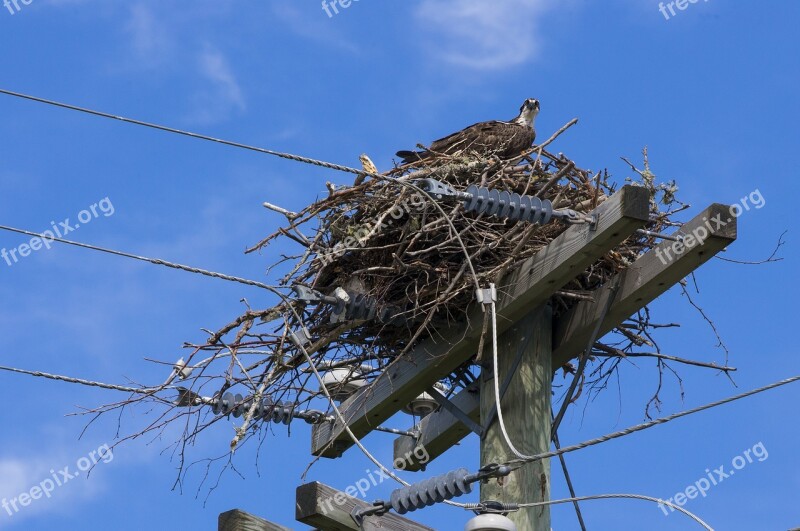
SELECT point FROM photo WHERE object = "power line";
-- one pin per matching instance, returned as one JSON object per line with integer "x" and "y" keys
{"x": 583, "y": 360}
{"x": 644, "y": 426}
{"x": 627, "y": 496}
{"x": 568, "y": 480}
{"x": 91, "y": 383}
{"x": 156, "y": 261}
{"x": 289, "y": 156}
{"x": 339, "y": 415}
{"x": 521, "y": 458}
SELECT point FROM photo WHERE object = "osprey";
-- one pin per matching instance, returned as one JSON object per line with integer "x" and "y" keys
{"x": 503, "y": 139}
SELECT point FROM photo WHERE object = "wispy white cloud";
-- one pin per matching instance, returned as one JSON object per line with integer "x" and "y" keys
{"x": 214, "y": 66}
{"x": 149, "y": 39}
{"x": 165, "y": 43}
{"x": 21, "y": 474}
{"x": 482, "y": 35}
{"x": 220, "y": 95}
{"x": 316, "y": 28}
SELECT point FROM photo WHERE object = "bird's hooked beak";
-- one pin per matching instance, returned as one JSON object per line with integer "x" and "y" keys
{"x": 528, "y": 111}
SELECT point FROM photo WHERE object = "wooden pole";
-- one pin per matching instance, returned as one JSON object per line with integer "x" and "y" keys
{"x": 529, "y": 285}
{"x": 437, "y": 432}
{"x": 526, "y": 414}
{"x": 328, "y": 509}
{"x": 642, "y": 282}
{"x": 238, "y": 520}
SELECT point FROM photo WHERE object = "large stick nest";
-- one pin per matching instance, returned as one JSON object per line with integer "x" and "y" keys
{"x": 391, "y": 243}
{"x": 418, "y": 260}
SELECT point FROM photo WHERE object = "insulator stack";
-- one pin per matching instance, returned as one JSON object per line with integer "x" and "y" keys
{"x": 501, "y": 203}
{"x": 351, "y": 306}
{"x": 434, "y": 490}
{"x": 236, "y": 405}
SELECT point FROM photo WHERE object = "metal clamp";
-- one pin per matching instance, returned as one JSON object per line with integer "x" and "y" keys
{"x": 307, "y": 295}
{"x": 379, "y": 508}
{"x": 351, "y": 306}
{"x": 300, "y": 337}
{"x": 439, "y": 190}
{"x": 486, "y": 296}
{"x": 454, "y": 410}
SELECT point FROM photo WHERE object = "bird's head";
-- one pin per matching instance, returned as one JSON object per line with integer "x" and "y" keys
{"x": 528, "y": 111}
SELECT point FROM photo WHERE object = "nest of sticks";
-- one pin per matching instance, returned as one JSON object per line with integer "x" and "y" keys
{"x": 402, "y": 255}
{"x": 380, "y": 266}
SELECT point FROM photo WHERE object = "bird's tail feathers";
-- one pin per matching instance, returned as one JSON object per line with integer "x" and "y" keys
{"x": 411, "y": 156}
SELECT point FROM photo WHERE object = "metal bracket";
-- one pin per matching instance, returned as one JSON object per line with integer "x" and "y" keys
{"x": 358, "y": 515}
{"x": 491, "y": 470}
{"x": 451, "y": 408}
{"x": 300, "y": 337}
{"x": 496, "y": 507}
{"x": 486, "y": 295}
{"x": 307, "y": 295}
{"x": 437, "y": 189}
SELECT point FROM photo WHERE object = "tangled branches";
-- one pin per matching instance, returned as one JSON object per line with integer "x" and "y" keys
{"x": 379, "y": 266}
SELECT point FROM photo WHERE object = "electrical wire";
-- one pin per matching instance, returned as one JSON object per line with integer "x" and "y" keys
{"x": 650, "y": 424}
{"x": 568, "y": 480}
{"x": 288, "y": 156}
{"x": 496, "y": 377}
{"x": 280, "y": 154}
{"x": 522, "y": 458}
{"x": 624, "y": 496}
{"x": 341, "y": 418}
{"x": 338, "y": 412}
{"x": 155, "y": 261}
{"x": 336, "y": 409}
{"x": 584, "y": 359}
{"x": 90, "y": 383}
{"x": 559, "y": 452}
{"x": 446, "y": 218}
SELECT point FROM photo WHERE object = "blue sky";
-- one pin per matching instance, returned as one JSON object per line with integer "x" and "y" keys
{"x": 712, "y": 91}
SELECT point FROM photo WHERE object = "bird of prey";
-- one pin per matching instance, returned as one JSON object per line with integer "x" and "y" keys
{"x": 502, "y": 139}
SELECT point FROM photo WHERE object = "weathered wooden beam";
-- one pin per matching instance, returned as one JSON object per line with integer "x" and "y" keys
{"x": 329, "y": 510}
{"x": 648, "y": 277}
{"x": 238, "y": 520}
{"x": 529, "y": 286}
{"x": 438, "y": 432}
{"x": 526, "y": 415}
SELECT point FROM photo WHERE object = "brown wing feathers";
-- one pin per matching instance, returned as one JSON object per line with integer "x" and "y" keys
{"x": 504, "y": 139}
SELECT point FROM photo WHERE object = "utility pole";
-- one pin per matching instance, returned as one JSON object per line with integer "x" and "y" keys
{"x": 524, "y": 359}
{"x": 531, "y": 344}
